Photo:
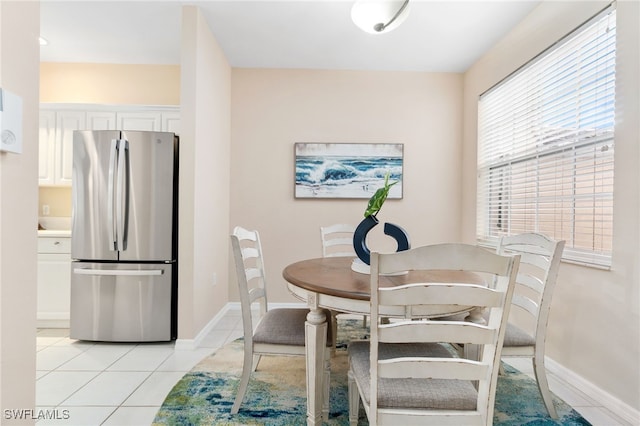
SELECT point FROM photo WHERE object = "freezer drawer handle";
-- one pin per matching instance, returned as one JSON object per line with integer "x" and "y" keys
{"x": 129, "y": 272}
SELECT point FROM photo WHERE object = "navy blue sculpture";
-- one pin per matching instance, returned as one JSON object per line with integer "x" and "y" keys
{"x": 360, "y": 237}
{"x": 370, "y": 221}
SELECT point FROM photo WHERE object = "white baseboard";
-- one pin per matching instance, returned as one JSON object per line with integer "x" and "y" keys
{"x": 608, "y": 401}
{"x": 52, "y": 320}
{"x": 193, "y": 344}
{"x": 52, "y": 323}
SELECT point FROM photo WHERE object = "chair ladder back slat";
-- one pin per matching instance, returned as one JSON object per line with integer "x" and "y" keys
{"x": 531, "y": 242}
{"x": 256, "y": 294}
{"x": 439, "y": 294}
{"x": 244, "y": 234}
{"x": 534, "y": 283}
{"x": 337, "y": 240}
{"x": 250, "y": 253}
{"x": 448, "y": 256}
{"x": 526, "y": 304}
{"x": 432, "y": 368}
{"x": 390, "y": 417}
{"x": 253, "y": 273}
{"x": 539, "y": 261}
{"x": 340, "y": 254}
{"x": 436, "y": 332}
{"x": 338, "y": 228}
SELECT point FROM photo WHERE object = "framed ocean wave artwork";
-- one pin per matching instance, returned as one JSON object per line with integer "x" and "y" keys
{"x": 347, "y": 170}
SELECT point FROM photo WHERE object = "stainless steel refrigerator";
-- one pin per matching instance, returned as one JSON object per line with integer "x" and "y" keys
{"x": 124, "y": 236}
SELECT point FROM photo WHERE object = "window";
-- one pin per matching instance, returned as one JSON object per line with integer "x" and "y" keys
{"x": 546, "y": 144}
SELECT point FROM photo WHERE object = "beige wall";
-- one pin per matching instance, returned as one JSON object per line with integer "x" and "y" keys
{"x": 204, "y": 176}
{"x": 594, "y": 322}
{"x": 110, "y": 83}
{"x": 19, "y": 57}
{"x": 57, "y": 198}
{"x": 273, "y": 109}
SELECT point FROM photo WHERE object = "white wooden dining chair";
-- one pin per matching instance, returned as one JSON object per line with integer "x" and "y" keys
{"x": 406, "y": 374}
{"x": 337, "y": 240}
{"x": 540, "y": 260}
{"x": 278, "y": 331}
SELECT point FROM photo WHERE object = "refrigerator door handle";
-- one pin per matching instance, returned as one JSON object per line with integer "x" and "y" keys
{"x": 122, "y": 195}
{"x": 111, "y": 272}
{"x": 113, "y": 160}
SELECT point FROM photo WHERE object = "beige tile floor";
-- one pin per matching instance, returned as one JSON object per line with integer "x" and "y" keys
{"x": 85, "y": 383}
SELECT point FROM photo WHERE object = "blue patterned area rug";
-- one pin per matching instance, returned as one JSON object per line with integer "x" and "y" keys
{"x": 276, "y": 392}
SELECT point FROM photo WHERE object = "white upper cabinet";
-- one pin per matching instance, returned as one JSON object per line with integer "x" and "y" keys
{"x": 171, "y": 122}
{"x": 58, "y": 121}
{"x": 56, "y": 145}
{"x": 66, "y": 123}
{"x": 101, "y": 120}
{"x": 46, "y": 156}
{"x": 140, "y": 121}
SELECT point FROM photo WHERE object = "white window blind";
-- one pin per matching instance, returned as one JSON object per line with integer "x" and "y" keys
{"x": 545, "y": 146}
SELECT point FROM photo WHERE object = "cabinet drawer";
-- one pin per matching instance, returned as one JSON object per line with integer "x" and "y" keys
{"x": 54, "y": 245}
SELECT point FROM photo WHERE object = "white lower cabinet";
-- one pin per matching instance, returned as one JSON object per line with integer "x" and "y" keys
{"x": 54, "y": 282}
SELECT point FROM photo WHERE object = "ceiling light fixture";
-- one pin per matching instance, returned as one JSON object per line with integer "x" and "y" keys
{"x": 43, "y": 41}
{"x": 378, "y": 16}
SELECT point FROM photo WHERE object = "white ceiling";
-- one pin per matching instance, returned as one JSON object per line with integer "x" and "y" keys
{"x": 437, "y": 36}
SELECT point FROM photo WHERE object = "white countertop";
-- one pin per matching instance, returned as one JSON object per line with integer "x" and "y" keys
{"x": 54, "y": 233}
{"x": 54, "y": 226}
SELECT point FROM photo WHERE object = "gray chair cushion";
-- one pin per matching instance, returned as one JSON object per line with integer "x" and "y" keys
{"x": 412, "y": 393}
{"x": 515, "y": 336}
{"x": 285, "y": 326}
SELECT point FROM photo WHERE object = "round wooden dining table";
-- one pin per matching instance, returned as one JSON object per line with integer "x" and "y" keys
{"x": 330, "y": 283}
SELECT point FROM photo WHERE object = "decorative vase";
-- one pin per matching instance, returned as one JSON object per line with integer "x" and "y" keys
{"x": 360, "y": 238}
{"x": 360, "y": 241}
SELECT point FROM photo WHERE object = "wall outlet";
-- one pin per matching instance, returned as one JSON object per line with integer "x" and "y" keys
{"x": 214, "y": 280}
{"x": 45, "y": 210}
